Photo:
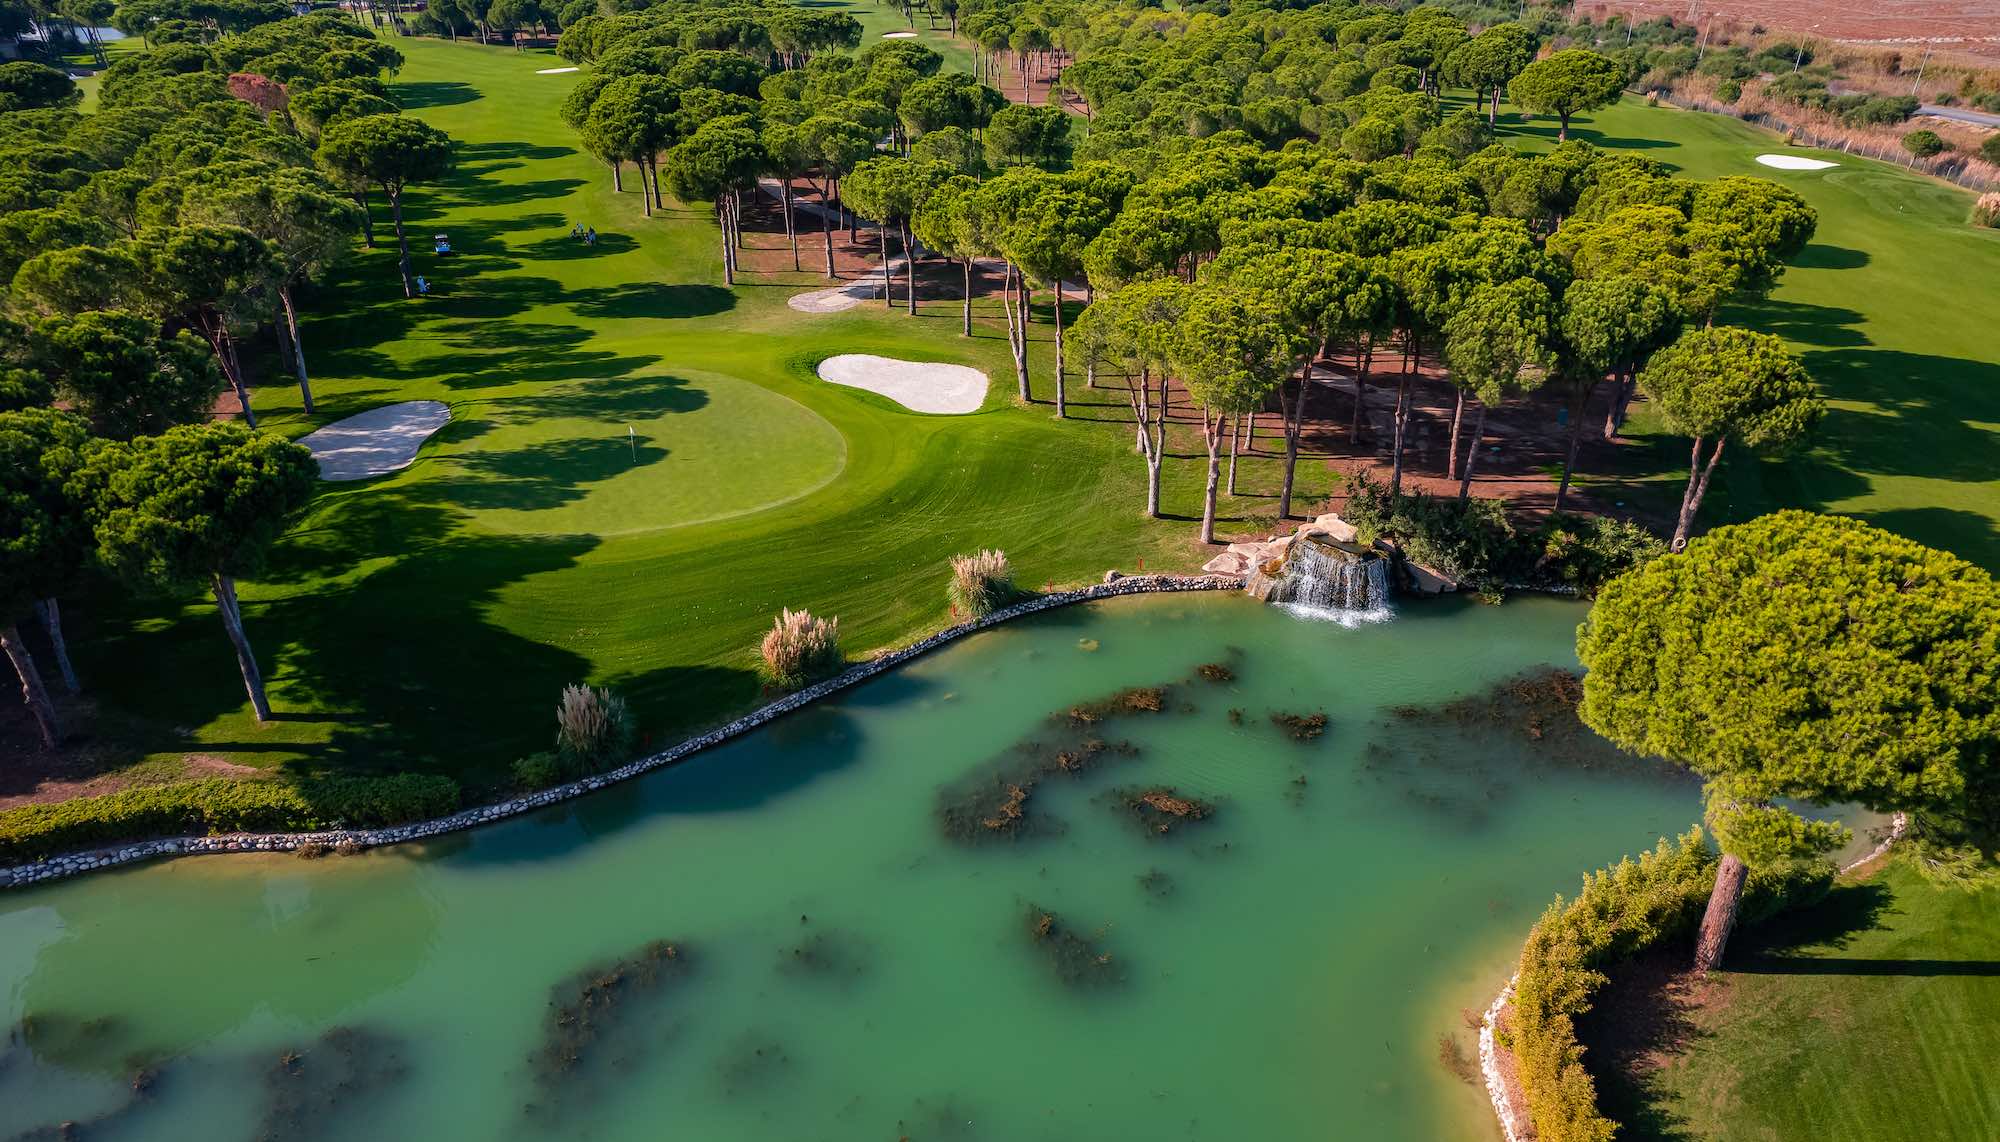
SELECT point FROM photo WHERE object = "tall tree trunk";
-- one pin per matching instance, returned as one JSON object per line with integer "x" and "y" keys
{"x": 791, "y": 222}
{"x": 1211, "y": 432}
{"x": 1562, "y": 132}
{"x": 1363, "y": 349}
{"x": 646, "y": 192}
{"x": 1720, "y": 918}
{"x": 653, "y": 169}
{"x": 826, "y": 230}
{"x": 218, "y": 340}
{"x": 52, "y": 623}
{"x": 1235, "y": 446}
{"x": 298, "y": 347}
{"x": 1575, "y": 437}
{"x": 909, "y": 264}
{"x": 1017, "y": 332}
{"x": 1294, "y": 415}
{"x": 32, "y": 692}
{"x": 729, "y": 245}
{"x": 1621, "y": 401}
{"x": 888, "y": 293}
{"x": 1697, "y": 487}
{"x": 232, "y": 620}
{"x": 402, "y": 241}
{"x": 1413, "y": 353}
{"x": 367, "y": 218}
{"x": 1140, "y": 396}
{"x": 1457, "y": 419}
{"x": 966, "y": 331}
{"x": 618, "y": 176}
{"x": 1472, "y": 453}
{"x": 1159, "y": 455}
{"x": 1062, "y": 398}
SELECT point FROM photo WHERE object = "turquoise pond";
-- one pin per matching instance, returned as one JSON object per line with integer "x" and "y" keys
{"x": 857, "y": 953}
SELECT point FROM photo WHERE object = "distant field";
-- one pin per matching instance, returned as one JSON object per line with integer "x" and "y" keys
{"x": 1969, "y": 27}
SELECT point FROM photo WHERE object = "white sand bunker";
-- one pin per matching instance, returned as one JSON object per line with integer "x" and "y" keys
{"x": 555, "y": 71}
{"x": 899, "y": 35}
{"x": 377, "y": 441}
{"x": 921, "y": 386}
{"x": 1795, "y": 162}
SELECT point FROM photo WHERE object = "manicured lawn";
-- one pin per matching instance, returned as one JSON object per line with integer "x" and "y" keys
{"x": 1872, "y": 1017}
{"x": 1893, "y": 308}
{"x": 642, "y": 469}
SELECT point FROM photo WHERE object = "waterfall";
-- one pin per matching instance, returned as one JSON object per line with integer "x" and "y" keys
{"x": 1324, "y": 578}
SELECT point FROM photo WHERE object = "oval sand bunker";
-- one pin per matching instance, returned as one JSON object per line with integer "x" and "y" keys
{"x": 375, "y": 442}
{"x": 921, "y": 386}
{"x": 555, "y": 71}
{"x": 899, "y": 35}
{"x": 1795, "y": 162}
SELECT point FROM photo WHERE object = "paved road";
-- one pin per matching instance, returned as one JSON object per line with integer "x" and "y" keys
{"x": 1981, "y": 118}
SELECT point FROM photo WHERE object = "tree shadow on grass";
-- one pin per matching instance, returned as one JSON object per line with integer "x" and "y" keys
{"x": 537, "y": 477}
{"x": 652, "y": 299}
{"x": 1821, "y": 256}
{"x": 488, "y": 152}
{"x": 563, "y": 248}
{"x": 433, "y": 93}
{"x": 1972, "y": 535}
{"x": 1580, "y": 129}
{"x": 411, "y": 646}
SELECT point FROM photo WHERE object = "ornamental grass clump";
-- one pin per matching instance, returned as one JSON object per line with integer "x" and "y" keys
{"x": 1986, "y": 211}
{"x": 800, "y": 649}
{"x": 981, "y": 583}
{"x": 593, "y": 730}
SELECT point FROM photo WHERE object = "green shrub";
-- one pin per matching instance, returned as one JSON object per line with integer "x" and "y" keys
{"x": 1582, "y": 552}
{"x": 799, "y": 649}
{"x": 1473, "y": 542}
{"x": 539, "y": 771}
{"x": 1467, "y": 540}
{"x": 593, "y": 730}
{"x": 1619, "y": 912}
{"x": 1923, "y": 144}
{"x": 1729, "y": 90}
{"x": 981, "y": 583}
{"x": 222, "y": 805}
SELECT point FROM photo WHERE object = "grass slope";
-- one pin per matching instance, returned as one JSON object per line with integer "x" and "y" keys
{"x": 1892, "y": 308}
{"x": 1873, "y": 1017}
{"x": 427, "y": 620}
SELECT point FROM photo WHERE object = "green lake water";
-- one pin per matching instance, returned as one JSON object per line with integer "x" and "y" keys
{"x": 844, "y": 969}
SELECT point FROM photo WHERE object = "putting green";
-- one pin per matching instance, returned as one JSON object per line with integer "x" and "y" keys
{"x": 632, "y": 455}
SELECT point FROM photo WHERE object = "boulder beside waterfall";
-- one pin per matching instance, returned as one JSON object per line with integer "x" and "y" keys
{"x": 1262, "y": 563}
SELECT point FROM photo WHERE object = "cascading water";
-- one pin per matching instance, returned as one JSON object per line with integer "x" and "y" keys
{"x": 1324, "y": 578}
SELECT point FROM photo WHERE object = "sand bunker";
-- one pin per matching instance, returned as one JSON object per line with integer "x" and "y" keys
{"x": 899, "y": 35}
{"x": 555, "y": 71}
{"x": 916, "y": 385}
{"x": 377, "y": 441}
{"x": 1795, "y": 162}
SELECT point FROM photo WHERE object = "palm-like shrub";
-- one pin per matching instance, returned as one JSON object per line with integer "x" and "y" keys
{"x": 593, "y": 730}
{"x": 980, "y": 582}
{"x": 800, "y": 649}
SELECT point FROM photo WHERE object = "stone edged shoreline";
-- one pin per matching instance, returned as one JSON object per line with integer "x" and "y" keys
{"x": 1114, "y": 586}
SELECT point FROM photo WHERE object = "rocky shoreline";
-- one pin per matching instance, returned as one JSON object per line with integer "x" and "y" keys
{"x": 1115, "y": 585}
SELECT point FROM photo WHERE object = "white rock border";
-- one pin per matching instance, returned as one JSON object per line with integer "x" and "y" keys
{"x": 1114, "y": 586}
{"x": 1514, "y": 1120}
